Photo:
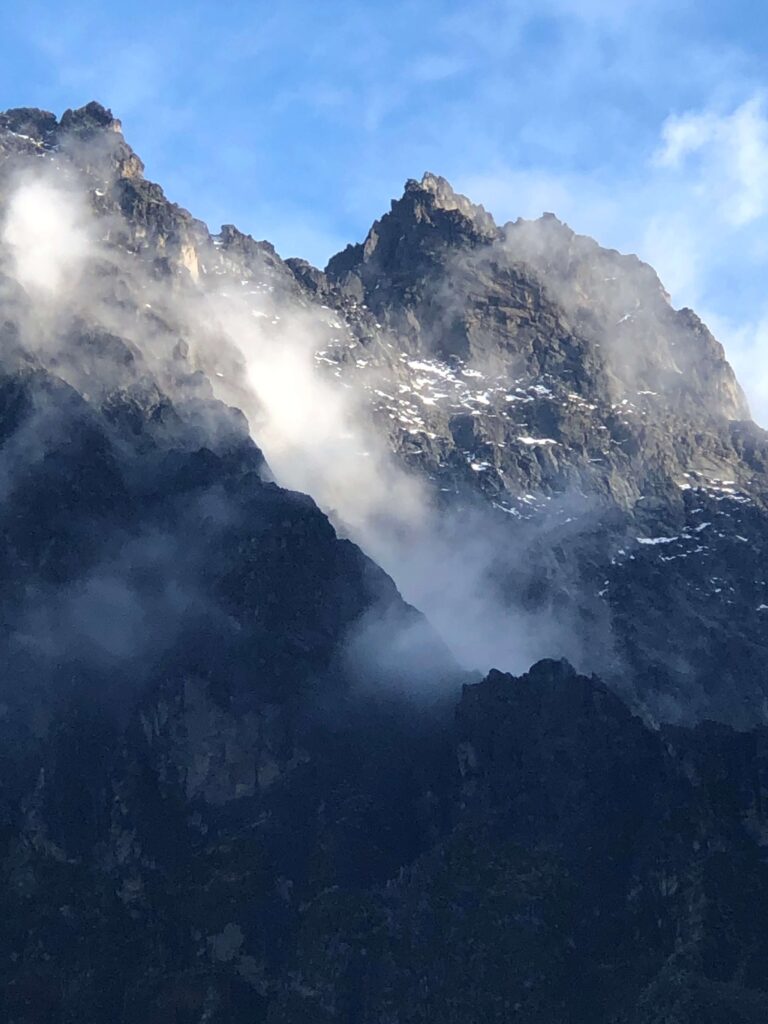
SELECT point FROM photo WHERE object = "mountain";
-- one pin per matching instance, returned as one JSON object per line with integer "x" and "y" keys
{"x": 530, "y": 370}
{"x": 281, "y": 758}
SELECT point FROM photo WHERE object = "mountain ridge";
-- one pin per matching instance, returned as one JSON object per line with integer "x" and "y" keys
{"x": 548, "y": 373}
{"x": 244, "y": 779}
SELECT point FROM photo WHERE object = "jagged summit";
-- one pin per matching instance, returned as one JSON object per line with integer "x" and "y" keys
{"x": 29, "y": 122}
{"x": 90, "y": 118}
{"x": 517, "y": 292}
{"x": 428, "y": 215}
{"x": 43, "y": 126}
{"x": 91, "y": 129}
{"x": 445, "y": 198}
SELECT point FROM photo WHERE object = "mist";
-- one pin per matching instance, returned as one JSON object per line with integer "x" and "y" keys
{"x": 257, "y": 346}
{"x": 47, "y": 231}
{"x": 319, "y": 436}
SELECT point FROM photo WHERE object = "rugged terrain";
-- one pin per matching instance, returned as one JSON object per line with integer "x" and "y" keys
{"x": 243, "y": 778}
{"x": 529, "y": 369}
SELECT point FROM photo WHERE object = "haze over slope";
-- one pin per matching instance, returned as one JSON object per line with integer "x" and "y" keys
{"x": 513, "y": 421}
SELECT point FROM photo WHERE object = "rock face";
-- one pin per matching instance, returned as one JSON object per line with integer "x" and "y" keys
{"x": 587, "y": 875}
{"x": 241, "y": 780}
{"x": 531, "y": 371}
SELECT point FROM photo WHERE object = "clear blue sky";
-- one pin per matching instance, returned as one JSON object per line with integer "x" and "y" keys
{"x": 644, "y": 123}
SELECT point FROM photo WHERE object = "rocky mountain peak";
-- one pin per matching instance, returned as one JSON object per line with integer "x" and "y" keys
{"x": 91, "y": 118}
{"x": 474, "y": 290}
{"x": 29, "y": 122}
{"x": 428, "y": 219}
{"x": 440, "y": 195}
{"x": 91, "y": 131}
{"x": 618, "y": 302}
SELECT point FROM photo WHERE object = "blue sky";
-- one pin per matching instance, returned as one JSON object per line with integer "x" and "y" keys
{"x": 640, "y": 122}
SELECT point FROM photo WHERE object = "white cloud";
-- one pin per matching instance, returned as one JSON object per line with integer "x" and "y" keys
{"x": 46, "y": 231}
{"x": 671, "y": 243}
{"x": 726, "y": 156}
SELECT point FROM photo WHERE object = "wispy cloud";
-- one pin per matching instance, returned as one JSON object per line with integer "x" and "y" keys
{"x": 725, "y": 156}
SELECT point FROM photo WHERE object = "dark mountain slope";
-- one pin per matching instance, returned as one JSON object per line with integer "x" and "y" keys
{"x": 594, "y": 871}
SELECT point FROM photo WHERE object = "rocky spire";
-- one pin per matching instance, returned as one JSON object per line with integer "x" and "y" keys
{"x": 429, "y": 216}
{"x": 97, "y": 134}
{"x": 91, "y": 118}
{"x": 440, "y": 195}
{"x": 29, "y": 122}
